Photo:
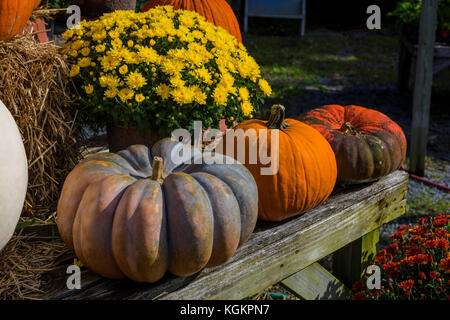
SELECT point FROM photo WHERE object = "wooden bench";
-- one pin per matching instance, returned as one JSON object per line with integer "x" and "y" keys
{"x": 347, "y": 224}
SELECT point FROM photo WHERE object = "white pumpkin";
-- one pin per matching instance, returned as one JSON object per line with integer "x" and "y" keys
{"x": 13, "y": 175}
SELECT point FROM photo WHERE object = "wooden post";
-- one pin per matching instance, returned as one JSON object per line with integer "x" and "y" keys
{"x": 404, "y": 66}
{"x": 422, "y": 86}
{"x": 350, "y": 262}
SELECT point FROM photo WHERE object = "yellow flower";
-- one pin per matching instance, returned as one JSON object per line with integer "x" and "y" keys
{"x": 76, "y": 45}
{"x": 110, "y": 63}
{"x": 89, "y": 89}
{"x": 220, "y": 96}
{"x": 139, "y": 98}
{"x": 111, "y": 93}
{"x": 203, "y": 74}
{"x": 126, "y": 94}
{"x": 148, "y": 55}
{"x": 126, "y": 55}
{"x": 67, "y": 34}
{"x": 199, "y": 96}
{"x": 183, "y": 95}
{"x": 135, "y": 80}
{"x": 116, "y": 43}
{"x": 243, "y": 93}
{"x": 109, "y": 81}
{"x": 265, "y": 87}
{"x": 85, "y": 51}
{"x": 172, "y": 67}
{"x": 100, "y": 48}
{"x": 246, "y": 108}
{"x": 114, "y": 34}
{"x": 99, "y": 36}
{"x": 74, "y": 71}
{"x": 84, "y": 62}
{"x": 123, "y": 69}
{"x": 163, "y": 91}
{"x": 177, "y": 82}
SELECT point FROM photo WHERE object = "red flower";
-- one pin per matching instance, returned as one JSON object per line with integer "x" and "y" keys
{"x": 380, "y": 259}
{"x": 406, "y": 285}
{"x": 357, "y": 286}
{"x": 433, "y": 274}
{"x": 391, "y": 266}
{"x": 422, "y": 276}
{"x": 414, "y": 250}
{"x": 419, "y": 230}
{"x": 442, "y": 244}
{"x": 430, "y": 244}
{"x": 418, "y": 259}
{"x": 440, "y": 221}
{"x": 393, "y": 274}
{"x": 422, "y": 220}
{"x": 392, "y": 248}
{"x": 359, "y": 296}
{"x": 445, "y": 265}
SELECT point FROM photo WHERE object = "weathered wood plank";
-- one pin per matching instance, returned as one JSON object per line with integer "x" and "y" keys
{"x": 275, "y": 250}
{"x": 316, "y": 283}
{"x": 296, "y": 251}
{"x": 350, "y": 262}
{"x": 422, "y": 86}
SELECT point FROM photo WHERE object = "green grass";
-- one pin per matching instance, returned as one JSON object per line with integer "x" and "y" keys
{"x": 321, "y": 59}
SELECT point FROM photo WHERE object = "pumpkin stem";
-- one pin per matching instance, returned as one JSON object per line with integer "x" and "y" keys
{"x": 157, "y": 169}
{"x": 276, "y": 119}
{"x": 348, "y": 129}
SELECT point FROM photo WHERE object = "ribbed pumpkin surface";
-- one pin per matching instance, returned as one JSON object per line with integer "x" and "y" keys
{"x": 367, "y": 143}
{"x": 307, "y": 167}
{"x": 14, "y": 15}
{"x": 122, "y": 219}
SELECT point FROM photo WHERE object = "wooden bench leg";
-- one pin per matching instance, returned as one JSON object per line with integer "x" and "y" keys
{"x": 350, "y": 262}
{"x": 316, "y": 283}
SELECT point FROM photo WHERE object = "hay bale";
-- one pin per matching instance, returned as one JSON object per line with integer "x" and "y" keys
{"x": 34, "y": 87}
{"x": 24, "y": 261}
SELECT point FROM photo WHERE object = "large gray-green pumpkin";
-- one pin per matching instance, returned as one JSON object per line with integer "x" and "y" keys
{"x": 138, "y": 214}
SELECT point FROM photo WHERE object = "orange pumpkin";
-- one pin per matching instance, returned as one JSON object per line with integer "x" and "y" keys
{"x": 306, "y": 164}
{"x": 14, "y": 15}
{"x": 367, "y": 144}
{"x": 218, "y": 12}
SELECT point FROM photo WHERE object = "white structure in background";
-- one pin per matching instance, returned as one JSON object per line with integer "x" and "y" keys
{"x": 290, "y": 9}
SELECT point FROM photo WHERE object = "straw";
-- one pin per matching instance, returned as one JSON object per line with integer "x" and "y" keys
{"x": 34, "y": 87}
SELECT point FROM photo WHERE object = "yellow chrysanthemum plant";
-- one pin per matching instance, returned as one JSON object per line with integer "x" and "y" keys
{"x": 161, "y": 70}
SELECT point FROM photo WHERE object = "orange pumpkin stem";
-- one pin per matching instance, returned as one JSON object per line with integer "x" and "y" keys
{"x": 276, "y": 119}
{"x": 157, "y": 169}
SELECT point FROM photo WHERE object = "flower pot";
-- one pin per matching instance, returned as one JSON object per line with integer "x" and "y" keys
{"x": 120, "y": 138}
